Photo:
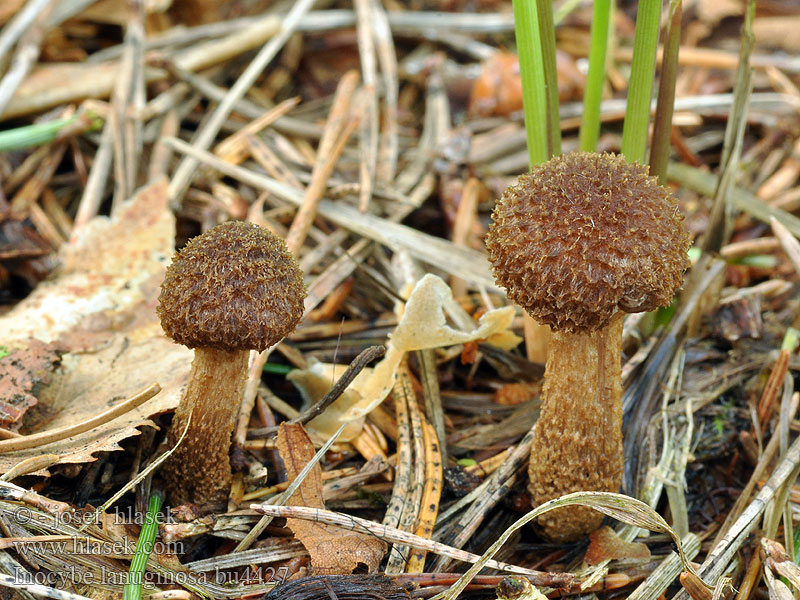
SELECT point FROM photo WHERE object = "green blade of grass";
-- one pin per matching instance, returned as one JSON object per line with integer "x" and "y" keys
{"x": 590, "y": 127}
{"x": 640, "y": 88}
{"x": 662, "y": 126}
{"x": 37, "y": 134}
{"x": 144, "y": 546}
{"x": 534, "y": 96}
{"x": 547, "y": 35}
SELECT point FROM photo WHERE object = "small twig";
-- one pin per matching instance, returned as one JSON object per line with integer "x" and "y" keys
{"x": 387, "y": 59}
{"x": 127, "y": 100}
{"x": 30, "y": 465}
{"x": 46, "y": 437}
{"x": 358, "y": 364}
{"x": 368, "y": 142}
{"x": 21, "y": 22}
{"x": 495, "y": 487}
{"x": 787, "y": 241}
{"x": 332, "y": 140}
{"x": 98, "y": 175}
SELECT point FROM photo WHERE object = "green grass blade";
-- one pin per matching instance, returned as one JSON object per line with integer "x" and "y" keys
{"x": 640, "y": 87}
{"x": 534, "y": 95}
{"x": 37, "y": 134}
{"x": 662, "y": 126}
{"x": 547, "y": 34}
{"x": 144, "y": 546}
{"x": 593, "y": 96}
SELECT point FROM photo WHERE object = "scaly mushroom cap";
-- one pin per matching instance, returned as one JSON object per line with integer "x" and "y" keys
{"x": 584, "y": 235}
{"x": 235, "y": 287}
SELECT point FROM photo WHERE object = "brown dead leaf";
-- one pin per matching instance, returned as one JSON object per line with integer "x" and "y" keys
{"x": 21, "y": 369}
{"x": 100, "y": 311}
{"x": 498, "y": 88}
{"x": 333, "y": 550}
{"x": 605, "y": 544}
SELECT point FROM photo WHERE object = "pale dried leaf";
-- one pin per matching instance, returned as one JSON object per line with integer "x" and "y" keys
{"x": 100, "y": 311}
{"x": 422, "y": 326}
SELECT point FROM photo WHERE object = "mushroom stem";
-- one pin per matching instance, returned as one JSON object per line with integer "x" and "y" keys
{"x": 577, "y": 441}
{"x": 199, "y": 470}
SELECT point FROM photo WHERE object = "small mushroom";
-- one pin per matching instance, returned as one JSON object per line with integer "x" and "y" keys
{"x": 577, "y": 242}
{"x": 232, "y": 289}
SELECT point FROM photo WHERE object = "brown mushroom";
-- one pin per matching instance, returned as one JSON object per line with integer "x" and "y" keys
{"x": 233, "y": 289}
{"x": 577, "y": 242}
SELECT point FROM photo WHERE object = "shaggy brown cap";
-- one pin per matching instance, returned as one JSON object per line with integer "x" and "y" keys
{"x": 585, "y": 234}
{"x": 236, "y": 287}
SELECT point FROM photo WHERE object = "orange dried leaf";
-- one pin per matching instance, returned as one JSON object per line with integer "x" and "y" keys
{"x": 605, "y": 544}
{"x": 695, "y": 587}
{"x": 333, "y": 550}
{"x": 498, "y": 89}
{"x": 470, "y": 353}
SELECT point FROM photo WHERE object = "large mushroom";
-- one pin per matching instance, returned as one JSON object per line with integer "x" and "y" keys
{"x": 577, "y": 242}
{"x": 232, "y": 289}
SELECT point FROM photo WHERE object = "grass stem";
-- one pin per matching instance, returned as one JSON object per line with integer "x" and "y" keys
{"x": 590, "y": 127}
{"x": 547, "y": 36}
{"x": 534, "y": 95}
{"x": 144, "y": 546}
{"x": 640, "y": 88}
{"x": 662, "y": 125}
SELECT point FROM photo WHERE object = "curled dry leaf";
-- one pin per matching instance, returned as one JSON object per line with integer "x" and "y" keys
{"x": 333, "y": 551}
{"x": 423, "y": 325}
{"x": 605, "y": 544}
{"x": 100, "y": 312}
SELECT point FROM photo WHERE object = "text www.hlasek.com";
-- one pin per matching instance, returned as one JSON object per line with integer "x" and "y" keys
{"x": 87, "y": 545}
